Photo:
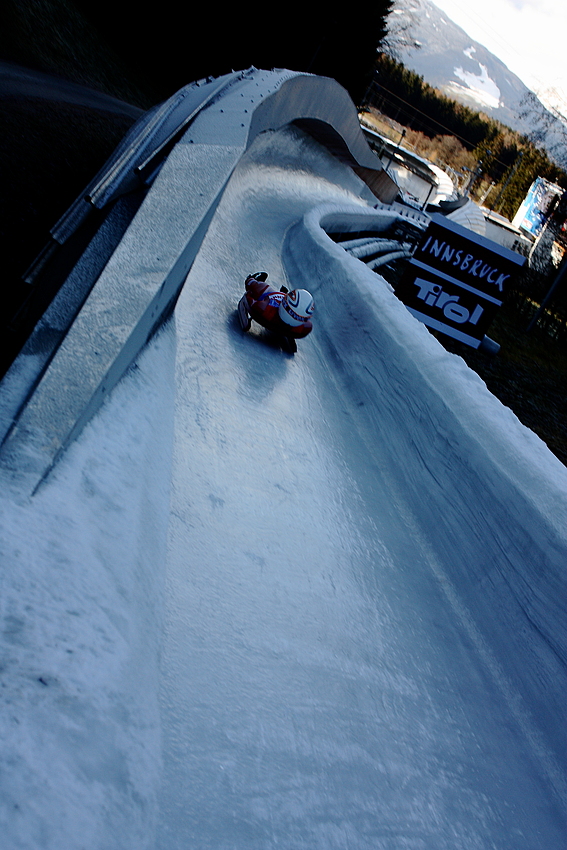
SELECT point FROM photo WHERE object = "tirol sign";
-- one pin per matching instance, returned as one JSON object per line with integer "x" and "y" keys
{"x": 456, "y": 280}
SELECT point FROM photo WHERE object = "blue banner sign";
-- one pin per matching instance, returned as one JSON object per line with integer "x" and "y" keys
{"x": 456, "y": 280}
{"x": 536, "y": 206}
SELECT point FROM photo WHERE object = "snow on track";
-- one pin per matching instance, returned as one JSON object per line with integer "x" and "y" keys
{"x": 81, "y": 593}
{"x": 324, "y": 685}
{"x": 350, "y": 563}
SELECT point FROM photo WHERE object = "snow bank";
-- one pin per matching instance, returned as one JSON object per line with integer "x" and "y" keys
{"x": 487, "y": 493}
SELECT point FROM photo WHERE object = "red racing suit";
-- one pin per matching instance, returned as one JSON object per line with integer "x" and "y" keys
{"x": 263, "y": 302}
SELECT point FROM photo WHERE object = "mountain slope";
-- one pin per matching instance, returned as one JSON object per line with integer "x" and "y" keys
{"x": 429, "y": 43}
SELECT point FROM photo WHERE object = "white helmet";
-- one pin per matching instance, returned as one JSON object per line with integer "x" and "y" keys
{"x": 296, "y": 307}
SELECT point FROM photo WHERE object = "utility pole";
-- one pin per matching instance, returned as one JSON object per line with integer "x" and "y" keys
{"x": 558, "y": 279}
{"x": 508, "y": 179}
{"x": 395, "y": 149}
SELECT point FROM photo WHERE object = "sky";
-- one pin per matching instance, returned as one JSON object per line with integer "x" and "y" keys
{"x": 529, "y": 36}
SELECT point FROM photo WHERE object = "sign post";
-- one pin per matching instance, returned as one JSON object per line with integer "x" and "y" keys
{"x": 455, "y": 281}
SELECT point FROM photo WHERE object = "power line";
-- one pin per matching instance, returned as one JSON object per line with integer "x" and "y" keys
{"x": 430, "y": 120}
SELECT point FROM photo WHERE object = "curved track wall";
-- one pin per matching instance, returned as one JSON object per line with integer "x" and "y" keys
{"x": 508, "y": 551}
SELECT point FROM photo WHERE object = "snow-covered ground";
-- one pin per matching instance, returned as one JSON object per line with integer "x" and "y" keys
{"x": 301, "y": 602}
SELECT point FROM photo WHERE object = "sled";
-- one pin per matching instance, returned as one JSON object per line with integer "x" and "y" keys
{"x": 244, "y": 318}
{"x": 287, "y": 343}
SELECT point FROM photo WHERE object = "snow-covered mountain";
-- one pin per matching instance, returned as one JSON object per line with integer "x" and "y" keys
{"x": 429, "y": 43}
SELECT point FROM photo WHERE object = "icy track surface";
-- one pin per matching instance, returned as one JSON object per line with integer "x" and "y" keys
{"x": 311, "y": 602}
